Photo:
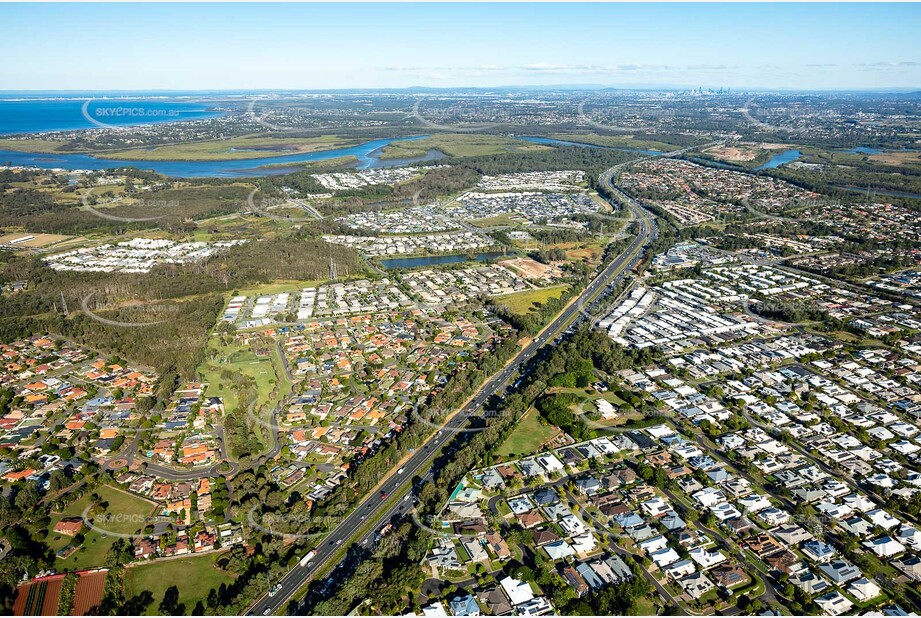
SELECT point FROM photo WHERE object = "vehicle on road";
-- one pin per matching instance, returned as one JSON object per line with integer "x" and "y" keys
{"x": 308, "y": 557}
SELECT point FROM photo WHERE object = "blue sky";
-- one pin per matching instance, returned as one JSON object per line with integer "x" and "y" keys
{"x": 305, "y": 46}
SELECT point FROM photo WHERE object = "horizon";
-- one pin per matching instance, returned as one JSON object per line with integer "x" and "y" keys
{"x": 323, "y": 47}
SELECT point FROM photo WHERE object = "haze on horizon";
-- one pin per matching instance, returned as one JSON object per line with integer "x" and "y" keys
{"x": 324, "y": 46}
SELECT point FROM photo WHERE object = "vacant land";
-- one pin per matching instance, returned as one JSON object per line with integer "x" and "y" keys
{"x": 31, "y": 145}
{"x": 902, "y": 157}
{"x": 458, "y": 145}
{"x": 528, "y": 436}
{"x": 37, "y": 240}
{"x": 237, "y": 148}
{"x": 194, "y": 577}
{"x": 238, "y": 360}
{"x": 523, "y": 302}
{"x": 615, "y": 141}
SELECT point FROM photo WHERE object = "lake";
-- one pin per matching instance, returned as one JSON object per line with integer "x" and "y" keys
{"x": 423, "y": 261}
{"x": 787, "y": 156}
{"x": 30, "y": 115}
{"x": 368, "y": 155}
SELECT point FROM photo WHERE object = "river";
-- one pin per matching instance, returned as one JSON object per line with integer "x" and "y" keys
{"x": 787, "y": 156}
{"x": 549, "y": 141}
{"x": 368, "y": 155}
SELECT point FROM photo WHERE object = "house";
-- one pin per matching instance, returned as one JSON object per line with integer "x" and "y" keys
{"x": 728, "y": 575}
{"x": 696, "y": 585}
{"x": 589, "y": 486}
{"x": 583, "y": 543}
{"x": 818, "y": 551}
{"x": 653, "y": 544}
{"x": 809, "y": 582}
{"x": 864, "y": 589}
{"x": 542, "y": 537}
{"x": 537, "y": 606}
{"x": 590, "y": 575}
{"x": 910, "y": 565}
{"x": 146, "y": 547}
{"x": 680, "y": 569}
{"x": 559, "y": 550}
{"x": 665, "y": 557}
{"x": 518, "y": 592}
{"x": 791, "y": 534}
{"x": 706, "y": 558}
{"x": 434, "y": 610}
{"x": 475, "y": 550}
{"x": 763, "y": 544}
{"x": 840, "y": 571}
{"x": 495, "y": 601}
{"x": 464, "y": 605}
{"x": 498, "y": 546}
{"x": 69, "y": 526}
{"x": 444, "y": 556}
{"x": 785, "y": 562}
{"x": 881, "y": 518}
{"x": 575, "y": 580}
{"x": 833, "y": 603}
{"x": 530, "y": 519}
{"x": 550, "y": 463}
{"x": 885, "y": 546}
{"x": 858, "y": 526}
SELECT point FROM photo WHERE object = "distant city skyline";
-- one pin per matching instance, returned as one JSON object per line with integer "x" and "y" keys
{"x": 349, "y": 46}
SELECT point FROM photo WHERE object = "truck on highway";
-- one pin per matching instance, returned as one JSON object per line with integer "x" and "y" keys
{"x": 307, "y": 558}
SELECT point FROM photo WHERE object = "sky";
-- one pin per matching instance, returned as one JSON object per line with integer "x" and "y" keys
{"x": 320, "y": 46}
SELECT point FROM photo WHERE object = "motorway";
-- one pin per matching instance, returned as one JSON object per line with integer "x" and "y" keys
{"x": 373, "y": 508}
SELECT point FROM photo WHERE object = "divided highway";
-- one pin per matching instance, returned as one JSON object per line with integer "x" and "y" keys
{"x": 373, "y": 509}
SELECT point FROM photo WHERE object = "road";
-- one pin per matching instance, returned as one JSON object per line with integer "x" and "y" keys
{"x": 369, "y": 510}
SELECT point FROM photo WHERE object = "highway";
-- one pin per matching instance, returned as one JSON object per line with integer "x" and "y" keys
{"x": 372, "y": 508}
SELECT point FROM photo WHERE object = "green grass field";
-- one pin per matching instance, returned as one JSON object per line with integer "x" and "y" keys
{"x": 126, "y": 513}
{"x": 615, "y": 141}
{"x": 31, "y": 145}
{"x": 238, "y": 359}
{"x": 494, "y": 221}
{"x": 523, "y": 302}
{"x": 527, "y": 436}
{"x": 458, "y": 145}
{"x": 194, "y": 576}
{"x": 236, "y": 148}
